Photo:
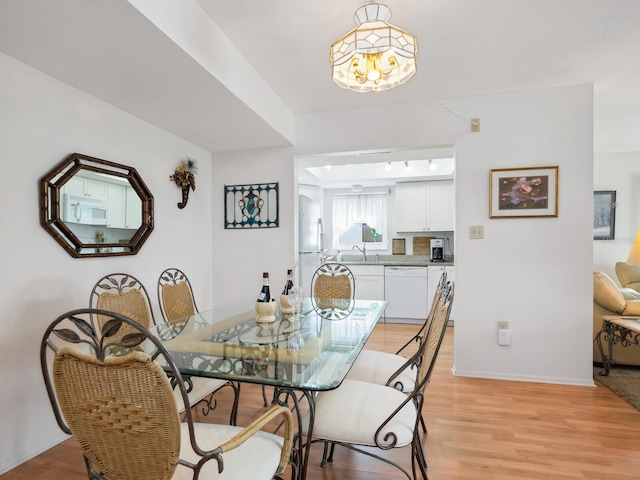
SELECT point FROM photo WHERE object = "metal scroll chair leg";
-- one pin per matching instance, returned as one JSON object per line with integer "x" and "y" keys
{"x": 424, "y": 425}
{"x": 333, "y": 447}
{"x": 264, "y": 396}
{"x": 325, "y": 452}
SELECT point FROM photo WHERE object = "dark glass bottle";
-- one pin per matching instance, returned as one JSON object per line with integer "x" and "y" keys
{"x": 289, "y": 283}
{"x": 265, "y": 294}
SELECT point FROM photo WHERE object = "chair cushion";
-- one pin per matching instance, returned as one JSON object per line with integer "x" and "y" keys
{"x": 355, "y": 410}
{"x": 606, "y": 293}
{"x": 627, "y": 274}
{"x": 257, "y": 458}
{"x": 376, "y": 367}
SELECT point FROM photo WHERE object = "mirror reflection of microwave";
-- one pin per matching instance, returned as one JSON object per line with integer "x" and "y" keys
{"x": 85, "y": 210}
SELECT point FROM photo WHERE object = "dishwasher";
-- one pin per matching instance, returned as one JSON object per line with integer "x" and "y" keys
{"x": 405, "y": 288}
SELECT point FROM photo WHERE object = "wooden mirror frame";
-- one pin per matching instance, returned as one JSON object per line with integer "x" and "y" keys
{"x": 51, "y": 215}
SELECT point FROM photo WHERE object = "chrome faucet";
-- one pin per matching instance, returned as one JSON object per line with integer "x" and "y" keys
{"x": 362, "y": 250}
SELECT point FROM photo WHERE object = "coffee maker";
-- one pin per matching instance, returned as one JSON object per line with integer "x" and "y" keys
{"x": 437, "y": 250}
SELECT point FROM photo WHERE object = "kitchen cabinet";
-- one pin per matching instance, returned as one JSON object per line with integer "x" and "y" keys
{"x": 133, "y": 209}
{"x": 125, "y": 208}
{"x": 369, "y": 281}
{"x": 87, "y": 187}
{"x": 116, "y": 199}
{"x": 425, "y": 206}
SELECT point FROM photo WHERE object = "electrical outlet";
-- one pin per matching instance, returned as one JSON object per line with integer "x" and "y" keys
{"x": 476, "y": 231}
{"x": 503, "y": 325}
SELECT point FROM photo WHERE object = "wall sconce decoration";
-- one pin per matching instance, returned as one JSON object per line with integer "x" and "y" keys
{"x": 184, "y": 177}
{"x": 251, "y": 206}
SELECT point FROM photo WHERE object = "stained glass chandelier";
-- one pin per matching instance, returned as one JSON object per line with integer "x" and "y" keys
{"x": 376, "y": 55}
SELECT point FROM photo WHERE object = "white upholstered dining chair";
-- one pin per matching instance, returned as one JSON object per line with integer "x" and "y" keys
{"x": 360, "y": 415}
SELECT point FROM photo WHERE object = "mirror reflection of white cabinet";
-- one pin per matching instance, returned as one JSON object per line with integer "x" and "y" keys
{"x": 116, "y": 200}
{"x": 88, "y": 187}
{"x": 425, "y": 206}
{"x": 133, "y": 210}
{"x": 125, "y": 208}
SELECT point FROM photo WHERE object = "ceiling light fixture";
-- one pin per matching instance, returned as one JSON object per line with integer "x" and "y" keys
{"x": 387, "y": 167}
{"x": 374, "y": 56}
{"x": 432, "y": 166}
{"x": 407, "y": 167}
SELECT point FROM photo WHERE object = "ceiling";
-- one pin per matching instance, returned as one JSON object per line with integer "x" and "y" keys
{"x": 466, "y": 47}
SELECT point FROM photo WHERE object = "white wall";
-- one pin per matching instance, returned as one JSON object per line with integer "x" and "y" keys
{"x": 534, "y": 273}
{"x": 241, "y": 255}
{"x": 619, "y": 172}
{"x": 42, "y": 121}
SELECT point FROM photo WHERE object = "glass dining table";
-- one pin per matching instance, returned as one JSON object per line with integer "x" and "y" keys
{"x": 297, "y": 355}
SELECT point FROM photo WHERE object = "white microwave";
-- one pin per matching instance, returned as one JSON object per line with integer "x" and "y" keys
{"x": 85, "y": 210}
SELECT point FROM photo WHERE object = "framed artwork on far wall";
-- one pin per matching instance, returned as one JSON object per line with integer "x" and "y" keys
{"x": 604, "y": 215}
{"x": 254, "y": 205}
{"x": 523, "y": 192}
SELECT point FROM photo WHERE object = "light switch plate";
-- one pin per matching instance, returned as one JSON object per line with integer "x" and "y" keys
{"x": 476, "y": 231}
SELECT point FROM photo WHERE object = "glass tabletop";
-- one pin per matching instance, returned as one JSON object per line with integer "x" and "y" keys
{"x": 312, "y": 351}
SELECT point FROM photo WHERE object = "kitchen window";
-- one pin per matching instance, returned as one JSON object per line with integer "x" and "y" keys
{"x": 358, "y": 219}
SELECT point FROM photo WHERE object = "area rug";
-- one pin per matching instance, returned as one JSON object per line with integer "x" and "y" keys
{"x": 623, "y": 381}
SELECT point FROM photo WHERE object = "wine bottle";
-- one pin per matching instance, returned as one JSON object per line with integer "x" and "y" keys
{"x": 289, "y": 283}
{"x": 285, "y": 307}
{"x": 265, "y": 293}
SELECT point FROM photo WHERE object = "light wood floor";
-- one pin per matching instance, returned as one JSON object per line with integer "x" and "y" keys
{"x": 478, "y": 430}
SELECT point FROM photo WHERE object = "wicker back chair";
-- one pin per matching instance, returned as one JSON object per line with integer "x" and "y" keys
{"x": 333, "y": 290}
{"x": 175, "y": 295}
{"x": 124, "y": 294}
{"x": 119, "y": 405}
{"x": 382, "y": 416}
{"x": 177, "y": 302}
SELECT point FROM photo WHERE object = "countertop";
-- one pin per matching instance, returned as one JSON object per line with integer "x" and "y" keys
{"x": 393, "y": 260}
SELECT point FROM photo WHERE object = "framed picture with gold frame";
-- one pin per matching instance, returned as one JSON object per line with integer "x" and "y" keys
{"x": 523, "y": 192}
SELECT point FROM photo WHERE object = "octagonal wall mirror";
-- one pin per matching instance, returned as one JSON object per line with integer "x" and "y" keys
{"x": 96, "y": 208}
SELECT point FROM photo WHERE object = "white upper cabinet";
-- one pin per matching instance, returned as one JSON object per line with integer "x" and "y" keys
{"x": 425, "y": 206}
{"x": 116, "y": 199}
{"x": 133, "y": 210}
{"x": 87, "y": 187}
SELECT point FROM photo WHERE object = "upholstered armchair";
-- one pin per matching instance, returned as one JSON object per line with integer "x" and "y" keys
{"x": 609, "y": 299}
